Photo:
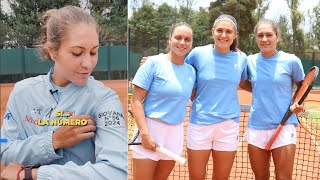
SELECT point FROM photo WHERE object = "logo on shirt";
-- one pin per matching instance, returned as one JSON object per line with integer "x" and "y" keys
{"x": 111, "y": 118}
{"x": 7, "y": 116}
{"x": 236, "y": 66}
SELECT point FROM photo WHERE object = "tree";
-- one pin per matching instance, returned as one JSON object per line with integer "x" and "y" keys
{"x": 112, "y": 18}
{"x": 25, "y": 19}
{"x": 200, "y": 25}
{"x": 185, "y": 10}
{"x": 316, "y": 26}
{"x": 284, "y": 44}
{"x": 297, "y": 32}
{"x": 4, "y": 29}
{"x": 143, "y": 26}
{"x": 165, "y": 21}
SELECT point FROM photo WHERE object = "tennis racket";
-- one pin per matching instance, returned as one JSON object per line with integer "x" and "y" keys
{"x": 133, "y": 134}
{"x": 310, "y": 119}
{"x": 299, "y": 96}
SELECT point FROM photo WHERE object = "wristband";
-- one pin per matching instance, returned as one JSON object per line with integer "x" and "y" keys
{"x": 28, "y": 173}
{"x": 21, "y": 169}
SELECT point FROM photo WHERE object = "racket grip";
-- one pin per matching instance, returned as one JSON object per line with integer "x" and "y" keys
{"x": 274, "y": 137}
{"x": 172, "y": 155}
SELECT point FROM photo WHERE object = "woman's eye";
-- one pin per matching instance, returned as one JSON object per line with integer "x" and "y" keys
{"x": 93, "y": 53}
{"x": 77, "y": 54}
{"x": 178, "y": 37}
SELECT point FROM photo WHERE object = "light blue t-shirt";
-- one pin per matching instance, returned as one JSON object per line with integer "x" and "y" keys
{"x": 218, "y": 77}
{"x": 169, "y": 88}
{"x": 272, "y": 81}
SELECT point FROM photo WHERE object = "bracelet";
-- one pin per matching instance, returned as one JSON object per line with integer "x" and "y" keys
{"x": 28, "y": 173}
{"x": 21, "y": 169}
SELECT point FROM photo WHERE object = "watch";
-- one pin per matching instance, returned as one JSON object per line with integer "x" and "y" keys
{"x": 28, "y": 173}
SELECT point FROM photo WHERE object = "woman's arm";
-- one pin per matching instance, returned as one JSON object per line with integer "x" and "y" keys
{"x": 111, "y": 147}
{"x": 139, "y": 116}
{"x": 27, "y": 150}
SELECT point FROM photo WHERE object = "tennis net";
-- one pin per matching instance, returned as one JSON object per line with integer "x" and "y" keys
{"x": 306, "y": 164}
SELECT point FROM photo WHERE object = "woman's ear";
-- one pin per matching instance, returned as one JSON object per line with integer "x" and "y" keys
{"x": 51, "y": 51}
{"x": 236, "y": 35}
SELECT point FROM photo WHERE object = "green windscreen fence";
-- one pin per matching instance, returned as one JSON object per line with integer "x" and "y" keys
{"x": 135, "y": 58}
{"x": 19, "y": 63}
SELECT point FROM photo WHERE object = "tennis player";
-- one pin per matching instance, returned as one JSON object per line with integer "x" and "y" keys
{"x": 41, "y": 149}
{"x": 214, "y": 120}
{"x": 162, "y": 88}
{"x": 272, "y": 74}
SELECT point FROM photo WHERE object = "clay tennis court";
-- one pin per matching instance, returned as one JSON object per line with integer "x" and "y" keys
{"x": 119, "y": 86}
{"x": 306, "y": 161}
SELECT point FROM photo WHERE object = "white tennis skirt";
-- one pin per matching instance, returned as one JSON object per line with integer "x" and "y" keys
{"x": 170, "y": 136}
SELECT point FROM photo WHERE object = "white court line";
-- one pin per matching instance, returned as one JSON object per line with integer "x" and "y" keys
{"x": 315, "y": 142}
{"x": 311, "y": 135}
{"x": 241, "y": 140}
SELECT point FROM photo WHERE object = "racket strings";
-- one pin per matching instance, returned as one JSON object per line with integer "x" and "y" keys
{"x": 310, "y": 120}
{"x": 311, "y": 124}
{"x": 131, "y": 124}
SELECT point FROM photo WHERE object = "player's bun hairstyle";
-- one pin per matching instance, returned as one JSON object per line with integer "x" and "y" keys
{"x": 55, "y": 25}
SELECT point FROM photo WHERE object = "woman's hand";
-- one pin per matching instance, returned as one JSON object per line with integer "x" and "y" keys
{"x": 11, "y": 172}
{"x": 148, "y": 142}
{"x": 68, "y": 136}
{"x": 296, "y": 108}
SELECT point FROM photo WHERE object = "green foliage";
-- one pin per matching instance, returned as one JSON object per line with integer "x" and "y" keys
{"x": 316, "y": 26}
{"x": 3, "y": 30}
{"x": 297, "y": 40}
{"x": 285, "y": 35}
{"x": 165, "y": 20}
{"x": 21, "y": 26}
{"x": 144, "y": 29}
{"x": 200, "y": 25}
{"x": 112, "y": 18}
{"x": 24, "y": 22}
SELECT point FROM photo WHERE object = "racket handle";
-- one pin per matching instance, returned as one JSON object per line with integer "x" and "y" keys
{"x": 172, "y": 155}
{"x": 274, "y": 137}
{"x": 134, "y": 143}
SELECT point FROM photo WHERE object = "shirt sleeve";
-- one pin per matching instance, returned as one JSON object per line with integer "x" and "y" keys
{"x": 244, "y": 74}
{"x": 191, "y": 59}
{"x": 30, "y": 151}
{"x": 111, "y": 148}
{"x": 297, "y": 70}
{"x": 144, "y": 75}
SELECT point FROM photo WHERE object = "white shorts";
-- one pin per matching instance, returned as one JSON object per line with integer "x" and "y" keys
{"x": 260, "y": 138}
{"x": 223, "y": 136}
{"x": 170, "y": 136}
